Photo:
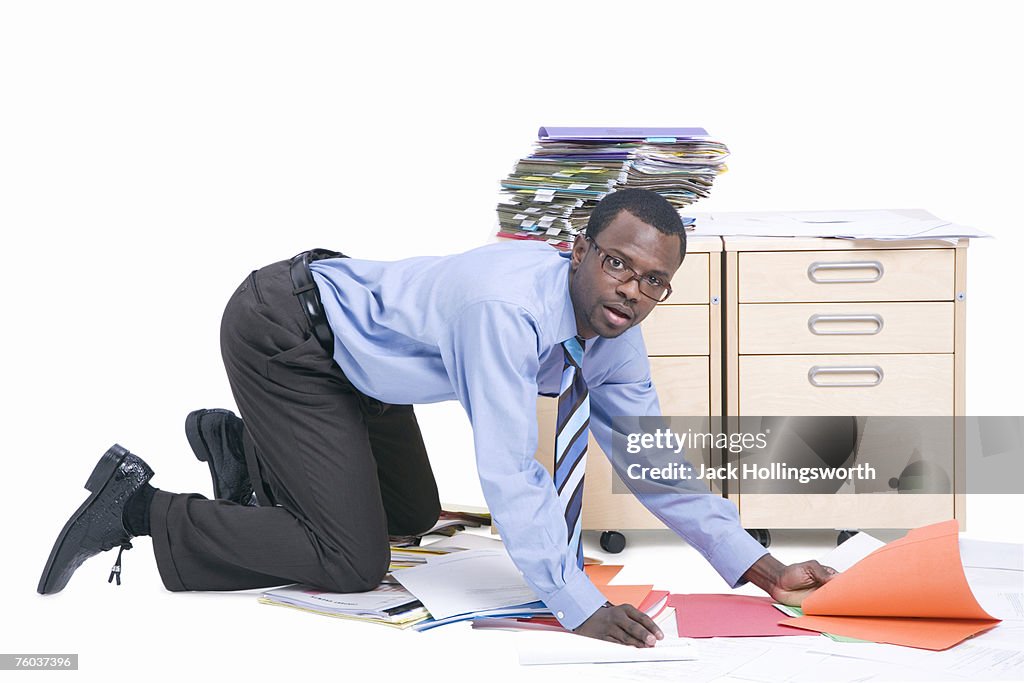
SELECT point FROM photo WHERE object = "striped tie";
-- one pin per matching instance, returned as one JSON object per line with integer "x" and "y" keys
{"x": 571, "y": 442}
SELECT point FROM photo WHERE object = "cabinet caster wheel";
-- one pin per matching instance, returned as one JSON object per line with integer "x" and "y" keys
{"x": 845, "y": 535}
{"x": 762, "y": 536}
{"x": 612, "y": 542}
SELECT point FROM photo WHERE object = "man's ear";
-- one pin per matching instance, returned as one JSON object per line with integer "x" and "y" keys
{"x": 579, "y": 250}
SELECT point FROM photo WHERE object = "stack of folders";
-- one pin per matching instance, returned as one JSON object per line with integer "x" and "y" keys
{"x": 403, "y": 557}
{"x": 450, "y": 522}
{"x": 387, "y": 604}
{"x": 469, "y": 578}
{"x": 645, "y": 597}
{"x": 551, "y": 193}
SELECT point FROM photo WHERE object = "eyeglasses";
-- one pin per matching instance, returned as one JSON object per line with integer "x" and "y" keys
{"x": 650, "y": 285}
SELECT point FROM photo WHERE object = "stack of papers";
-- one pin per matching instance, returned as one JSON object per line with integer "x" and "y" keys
{"x": 642, "y": 596}
{"x": 551, "y": 193}
{"x": 450, "y": 522}
{"x": 470, "y": 584}
{"x": 387, "y": 604}
{"x": 403, "y": 557}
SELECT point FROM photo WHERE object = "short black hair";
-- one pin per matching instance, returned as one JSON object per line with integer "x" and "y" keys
{"x": 650, "y": 207}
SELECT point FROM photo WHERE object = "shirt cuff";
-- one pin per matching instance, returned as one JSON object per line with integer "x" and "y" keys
{"x": 576, "y": 601}
{"x": 734, "y": 555}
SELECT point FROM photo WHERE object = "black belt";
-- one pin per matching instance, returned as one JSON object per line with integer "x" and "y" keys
{"x": 305, "y": 290}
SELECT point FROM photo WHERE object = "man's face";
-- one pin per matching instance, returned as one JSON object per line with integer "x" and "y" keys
{"x": 605, "y": 307}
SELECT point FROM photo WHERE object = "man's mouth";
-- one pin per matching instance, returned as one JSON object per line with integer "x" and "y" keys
{"x": 617, "y": 316}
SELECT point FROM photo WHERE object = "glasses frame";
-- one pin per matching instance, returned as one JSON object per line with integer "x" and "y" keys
{"x": 629, "y": 272}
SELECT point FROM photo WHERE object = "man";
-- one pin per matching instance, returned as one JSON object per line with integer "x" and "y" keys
{"x": 325, "y": 354}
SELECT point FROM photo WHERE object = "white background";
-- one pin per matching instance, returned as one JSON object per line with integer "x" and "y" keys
{"x": 151, "y": 155}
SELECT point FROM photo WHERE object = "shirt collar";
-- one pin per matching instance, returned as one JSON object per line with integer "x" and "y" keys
{"x": 566, "y": 325}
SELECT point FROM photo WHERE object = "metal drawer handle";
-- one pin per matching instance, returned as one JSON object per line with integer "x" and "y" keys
{"x": 812, "y": 271}
{"x": 813, "y": 321}
{"x": 812, "y": 375}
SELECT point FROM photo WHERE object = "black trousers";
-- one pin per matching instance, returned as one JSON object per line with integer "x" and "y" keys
{"x": 335, "y": 471}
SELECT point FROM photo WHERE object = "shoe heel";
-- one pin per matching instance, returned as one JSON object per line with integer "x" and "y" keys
{"x": 106, "y": 467}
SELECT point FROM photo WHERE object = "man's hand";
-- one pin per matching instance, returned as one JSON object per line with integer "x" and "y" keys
{"x": 623, "y": 624}
{"x": 788, "y": 584}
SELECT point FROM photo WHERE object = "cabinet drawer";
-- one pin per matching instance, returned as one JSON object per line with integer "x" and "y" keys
{"x": 683, "y": 385}
{"x": 882, "y": 275}
{"x": 907, "y": 384}
{"x": 677, "y": 331}
{"x": 921, "y": 327}
{"x": 692, "y": 282}
{"x": 607, "y": 503}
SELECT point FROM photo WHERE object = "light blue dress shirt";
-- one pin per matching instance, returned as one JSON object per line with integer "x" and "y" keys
{"x": 485, "y": 327}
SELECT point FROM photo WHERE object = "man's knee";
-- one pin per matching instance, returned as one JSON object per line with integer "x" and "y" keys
{"x": 356, "y": 573}
{"x": 414, "y": 520}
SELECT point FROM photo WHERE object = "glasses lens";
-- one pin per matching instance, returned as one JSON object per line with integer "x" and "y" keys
{"x": 656, "y": 293}
{"x": 615, "y": 268}
{"x": 625, "y": 274}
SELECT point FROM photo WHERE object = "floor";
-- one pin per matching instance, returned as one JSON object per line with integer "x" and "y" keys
{"x": 139, "y": 626}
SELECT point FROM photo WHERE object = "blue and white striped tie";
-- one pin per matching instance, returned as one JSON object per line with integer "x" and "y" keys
{"x": 571, "y": 442}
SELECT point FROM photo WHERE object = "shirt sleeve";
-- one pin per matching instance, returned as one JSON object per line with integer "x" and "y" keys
{"x": 708, "y": 522}
{"x": 491, "y": 352}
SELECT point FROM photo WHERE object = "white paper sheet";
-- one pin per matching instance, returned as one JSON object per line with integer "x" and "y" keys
{"x": 992, "y": 555}
{"x": 851, "y": 551}
{"x": 1000, "y": 592}
{"x": 468, "y": 541}
{"x": 376, "y": 601}
{"x": 855, "y": 224}
{"x": 468, "y": 581}
{"x": 567, "y": 648}
{"x": 970, "y": 659}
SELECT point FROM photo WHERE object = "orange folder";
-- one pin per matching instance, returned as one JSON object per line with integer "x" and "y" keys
{"x": 617, "y": 595}
{"x": 601, "y": 574}
{"x": 909, "y": 592}
{"x": 644, "y": 598}
{"x": 626, "y": 595}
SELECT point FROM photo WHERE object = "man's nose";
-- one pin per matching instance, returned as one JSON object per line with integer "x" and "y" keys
{"x": 629, "y": 289}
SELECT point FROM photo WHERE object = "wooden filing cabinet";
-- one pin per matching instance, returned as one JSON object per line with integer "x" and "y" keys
{"x": 683, "y": 337}
{"x": 863, "y": 328}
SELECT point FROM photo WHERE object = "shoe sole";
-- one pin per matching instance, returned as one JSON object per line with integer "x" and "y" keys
{"x": 101, "y": 474}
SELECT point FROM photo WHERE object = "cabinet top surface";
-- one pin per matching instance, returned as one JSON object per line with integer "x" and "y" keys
{"x": 747, "y": 243}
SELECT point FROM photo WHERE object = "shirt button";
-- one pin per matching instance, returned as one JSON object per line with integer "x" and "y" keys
{"x": 560, "y": 614}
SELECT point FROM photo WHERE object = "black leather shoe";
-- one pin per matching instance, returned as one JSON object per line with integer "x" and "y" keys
{"x": 216, "y": 438}
{"x": 97, "y": 525}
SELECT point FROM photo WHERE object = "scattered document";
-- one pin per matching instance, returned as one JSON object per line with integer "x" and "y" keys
{"x": 469, "y": 581}
{"x": 568, "y": 648}
{"x": 1000, "y": 592}
{"x": 889, "y": 224}
{"x": 467, "y": 541}
{"x": 972, "y": 659}
{"x": 992, "y": 555}
{"x": 851, "y": 551}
